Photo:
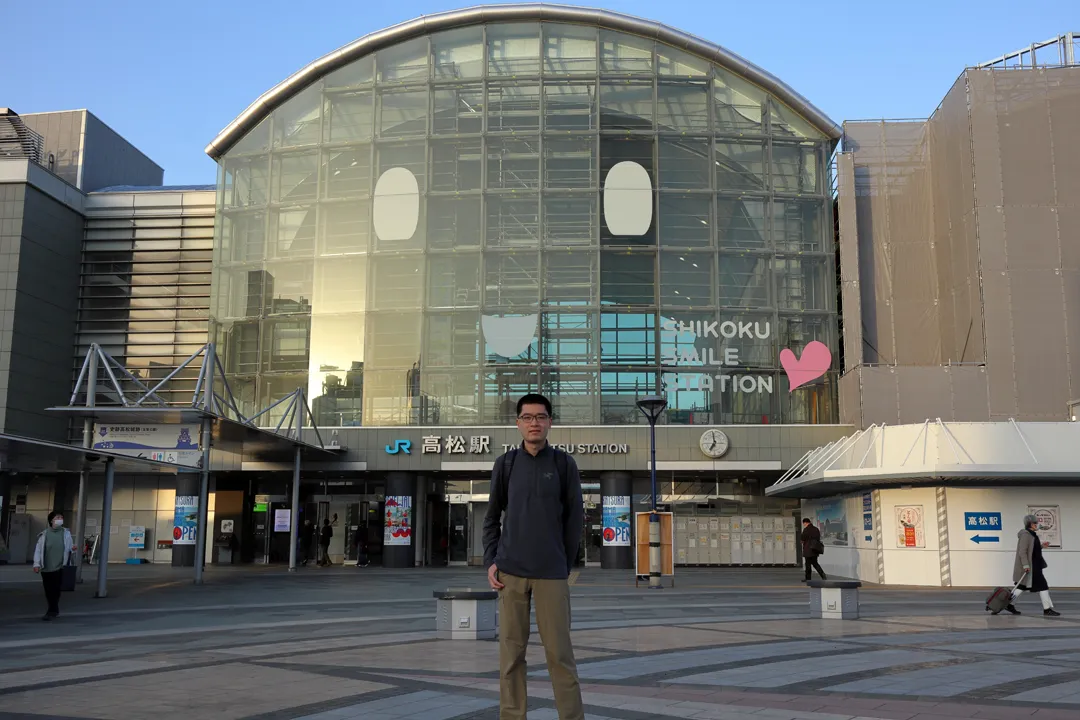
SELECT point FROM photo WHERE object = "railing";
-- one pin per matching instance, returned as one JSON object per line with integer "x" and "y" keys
{"x": 19, "y": 141}
{"x": 1040, "y": 54}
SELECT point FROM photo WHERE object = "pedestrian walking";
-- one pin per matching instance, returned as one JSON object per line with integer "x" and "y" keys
{"x": 1029, "y": 566}
{"x": 529, "y": 552}
{"x": 324, "y": 543}
{"x": 812, "y": 549}
{"x": 51, "y": 553}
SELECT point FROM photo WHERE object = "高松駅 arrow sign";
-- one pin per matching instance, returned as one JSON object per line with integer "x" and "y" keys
{"x": 979, "y": 539}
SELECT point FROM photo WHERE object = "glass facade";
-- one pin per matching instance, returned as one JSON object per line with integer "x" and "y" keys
{"x": 425, "y": 234}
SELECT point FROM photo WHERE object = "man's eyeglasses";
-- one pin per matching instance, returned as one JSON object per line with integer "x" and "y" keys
{"x": 529, "y": 418}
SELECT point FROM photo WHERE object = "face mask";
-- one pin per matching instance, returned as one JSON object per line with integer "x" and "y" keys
{"x": 58, "y": 523}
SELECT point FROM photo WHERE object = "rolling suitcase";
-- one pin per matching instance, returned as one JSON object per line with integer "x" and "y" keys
{"x": 1001, "y": 597}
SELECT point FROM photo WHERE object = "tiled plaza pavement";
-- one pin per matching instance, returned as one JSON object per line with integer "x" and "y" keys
{"x": 344, "y": 643}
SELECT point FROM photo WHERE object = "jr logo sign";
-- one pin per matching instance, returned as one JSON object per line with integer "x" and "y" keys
{"x": 398, "y": 446}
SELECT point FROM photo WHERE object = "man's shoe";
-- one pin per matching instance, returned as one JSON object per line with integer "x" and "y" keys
{"x": 824, "y": 577}
{"x": 1051, "y": 612}
{"x": 47, "y": 616}
{"x": 1012, "y": 609}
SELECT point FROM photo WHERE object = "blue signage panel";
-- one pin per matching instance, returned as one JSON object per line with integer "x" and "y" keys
{"x": 868, "y": 503}
{"x": 982, "y": 521}
{"x": 868, "y": 521}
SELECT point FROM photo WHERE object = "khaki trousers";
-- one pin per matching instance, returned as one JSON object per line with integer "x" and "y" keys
{"x": 553, "y": 621}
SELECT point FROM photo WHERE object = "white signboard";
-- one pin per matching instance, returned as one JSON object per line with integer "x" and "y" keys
{"x": 909, "y": 527}
{"x": 137, "y": 537}
{"x": 177, "y": 444}
{"x": 227, "y": 526}
{"x": 282, "y": 520}
{"x": 1049, "y": 517}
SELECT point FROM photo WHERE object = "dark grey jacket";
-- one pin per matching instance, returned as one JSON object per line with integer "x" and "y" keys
{"x": 539, "y": 535}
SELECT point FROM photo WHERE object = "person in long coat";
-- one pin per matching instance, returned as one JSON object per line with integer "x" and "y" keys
{"x": 1029, "y": 566}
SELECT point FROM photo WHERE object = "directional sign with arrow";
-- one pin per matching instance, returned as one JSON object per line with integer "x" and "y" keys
{"x": 980, "y": 539}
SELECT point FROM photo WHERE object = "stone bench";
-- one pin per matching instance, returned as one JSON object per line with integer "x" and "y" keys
{"x": 465, "y": 614}
{"x": 834, "y": 599}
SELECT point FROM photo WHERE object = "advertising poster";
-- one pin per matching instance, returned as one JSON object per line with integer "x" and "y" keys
{"x": 909, "y": 526}
{"x": 830, "y": 517}
{"x": 165, "y": 443}
{"x": 282, "y": 520}
{"x": 1049, "y": 523}
{"x": 185, "y": 519}
{"x": 616, "y": 521}
{"x": 398, "y": 529}
{"x": 137, "y": 537}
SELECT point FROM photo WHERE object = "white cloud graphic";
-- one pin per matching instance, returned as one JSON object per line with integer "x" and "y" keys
{"x": 628, "y": 199}
{"x": 396, "y": 205}
{"x": 509, "y": 336}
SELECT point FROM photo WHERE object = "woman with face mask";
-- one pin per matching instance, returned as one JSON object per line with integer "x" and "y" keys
{"x": 1029, "y": 566}
{"x": 50, "y": 554}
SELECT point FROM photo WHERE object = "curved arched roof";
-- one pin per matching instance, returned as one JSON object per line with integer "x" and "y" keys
{"x": 516, "y": 12}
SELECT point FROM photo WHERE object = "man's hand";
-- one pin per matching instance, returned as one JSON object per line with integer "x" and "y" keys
{"x": 1046, "y": 544}
{"x": 493, "y": 578}
{"x": 37, "y": 569}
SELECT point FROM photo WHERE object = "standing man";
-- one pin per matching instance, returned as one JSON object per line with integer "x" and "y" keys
{"x": 812, "y": 548}
{"x": 52, "y": 551}
{"x": 529, "y": 552}
{"x": 324, "y": 543}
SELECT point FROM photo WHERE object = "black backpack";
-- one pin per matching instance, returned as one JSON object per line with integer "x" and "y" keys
{"x": 506, "y": 467}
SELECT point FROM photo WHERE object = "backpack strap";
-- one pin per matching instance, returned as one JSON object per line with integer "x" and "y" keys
{"x": 561, "y": 468}
{"x": 505, "y": 468}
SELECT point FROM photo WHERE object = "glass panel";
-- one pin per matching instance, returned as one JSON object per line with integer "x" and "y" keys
{"x": 294, "y": 233}
{"x": 456, "y": 165}
{"x": 573, "y": 395}
{"x": 453, "y": 340}
{"x": 239, "y": 292}
{"x": 404, "y": 61}
{"x": 683, "y": 106}
{"x": 684, "y": 163}
{"x": 358, "y": 72}
{"x": 744, "y": 280}
{"x": 625, "y": 54}
{"x": 614, "y": 150}
{"x": 409, "y": 155}
{"x": 512, "y": 280}
{"x": 458, "y": 53}
{"x": 299, "y": 121}
{"x": 340, "y": 285}
{"x": 513, "y": 49}
{"x": 453, "y": 222}
{"x": 626, "y": 105}
{"x": 399, "y": 281}
{"x": 570, "y": 220}
{"x": 737, "y": 104}
{"x": 802, "y": 283}
{"x": 455, "y": 395}
{"x": 241, "y": 347}
{"x": 393, "y": 342}
{"x": 686, "y": 344}
{"x": 795, "y": 168}
{"x": 785, "y": 122}
{"x": 347, "y": 172}
{"x": 502, "y": 388}
{"x": 570, "y": 278}
{"x": 297, "y": 177}
{"x": 670, "y": 61}
{"x": 569, "y": 106}
{"x": 250, "y": 182}
{"x": 740, "y": 223}
{"x": 336, "y": 369}
{"x": 619, "y": 393}
{"x": 351, "y": 116}
{"x": 692, "y": 399}
{"x": 685, "y": 220}
{"x": 514, "y": 108}
{"x": 627, "y": 278}
{"x": 345, "y": 227}
{"x": 513, "y": 221}
{"x": 458, "y": 110}
{"x": 513, "y": 163}
{"x": 740, "y": 165}
{"x": 686, "y": 278}
{"x": 569, "y": 49}
{"x": 454, "y": 281}
{"x": 797, "y": 225}
{"x": 755, "y": 337}
{"x": 627, "y": 338}
{"x": 569, "y": 338}
{"x": 796, "y": 331}
{"x": 386, "y": 400}
{"x": 289, "y": 285}
{"x": 403, "y": 112}
{"x": 275, "y": 387}
{"x": 245, "y": 234}
{"x": 569, "y": 162}
{"x": 745, "y": 400}
{"x": 810, "y": 404}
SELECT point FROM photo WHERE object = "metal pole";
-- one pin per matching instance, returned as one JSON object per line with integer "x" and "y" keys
{"x": 84, "y": 476}
{"x": 204, "y": 495}
{"x": 106, "y": 527}
{"x": 654, "y": 518}
{"x": 293, "y": 529}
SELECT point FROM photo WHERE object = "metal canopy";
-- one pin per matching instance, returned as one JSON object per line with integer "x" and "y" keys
{"x": 937, "y": 453}
{"x": 23, "y": 454}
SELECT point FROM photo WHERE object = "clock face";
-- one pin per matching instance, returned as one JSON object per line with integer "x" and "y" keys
{"x": 714, "y": 443}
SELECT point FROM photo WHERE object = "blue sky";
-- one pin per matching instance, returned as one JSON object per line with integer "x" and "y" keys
{"x": 169, "y": 75}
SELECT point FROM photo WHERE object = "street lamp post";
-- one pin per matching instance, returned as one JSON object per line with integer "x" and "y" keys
{"x": 651, "y": 407}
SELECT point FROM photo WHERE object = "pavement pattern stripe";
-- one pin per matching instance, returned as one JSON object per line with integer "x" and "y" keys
{"x": 425, "y": 704}
{"x": 948, "y": 681}
{"x": 1068, "y": 692}
{"x": 792, "y": 672}
{"x": 47, "y": 675}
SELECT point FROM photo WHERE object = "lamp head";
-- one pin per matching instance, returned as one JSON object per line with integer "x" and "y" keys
{"x": 652, "y": 406}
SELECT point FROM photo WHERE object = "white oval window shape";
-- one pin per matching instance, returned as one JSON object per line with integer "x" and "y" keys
{"x": 628, "y": 205}
{"x": 509, "y": 336}
{"x": 396, "y": 205}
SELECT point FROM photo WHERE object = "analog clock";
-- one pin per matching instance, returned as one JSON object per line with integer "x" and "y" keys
{"x": 714, "y": 443}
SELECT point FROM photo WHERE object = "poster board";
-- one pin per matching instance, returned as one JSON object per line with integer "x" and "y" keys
{"x": 667, "y": 545}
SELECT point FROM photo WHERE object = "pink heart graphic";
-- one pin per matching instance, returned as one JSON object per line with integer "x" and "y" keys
{"x": 815, "y": 361}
